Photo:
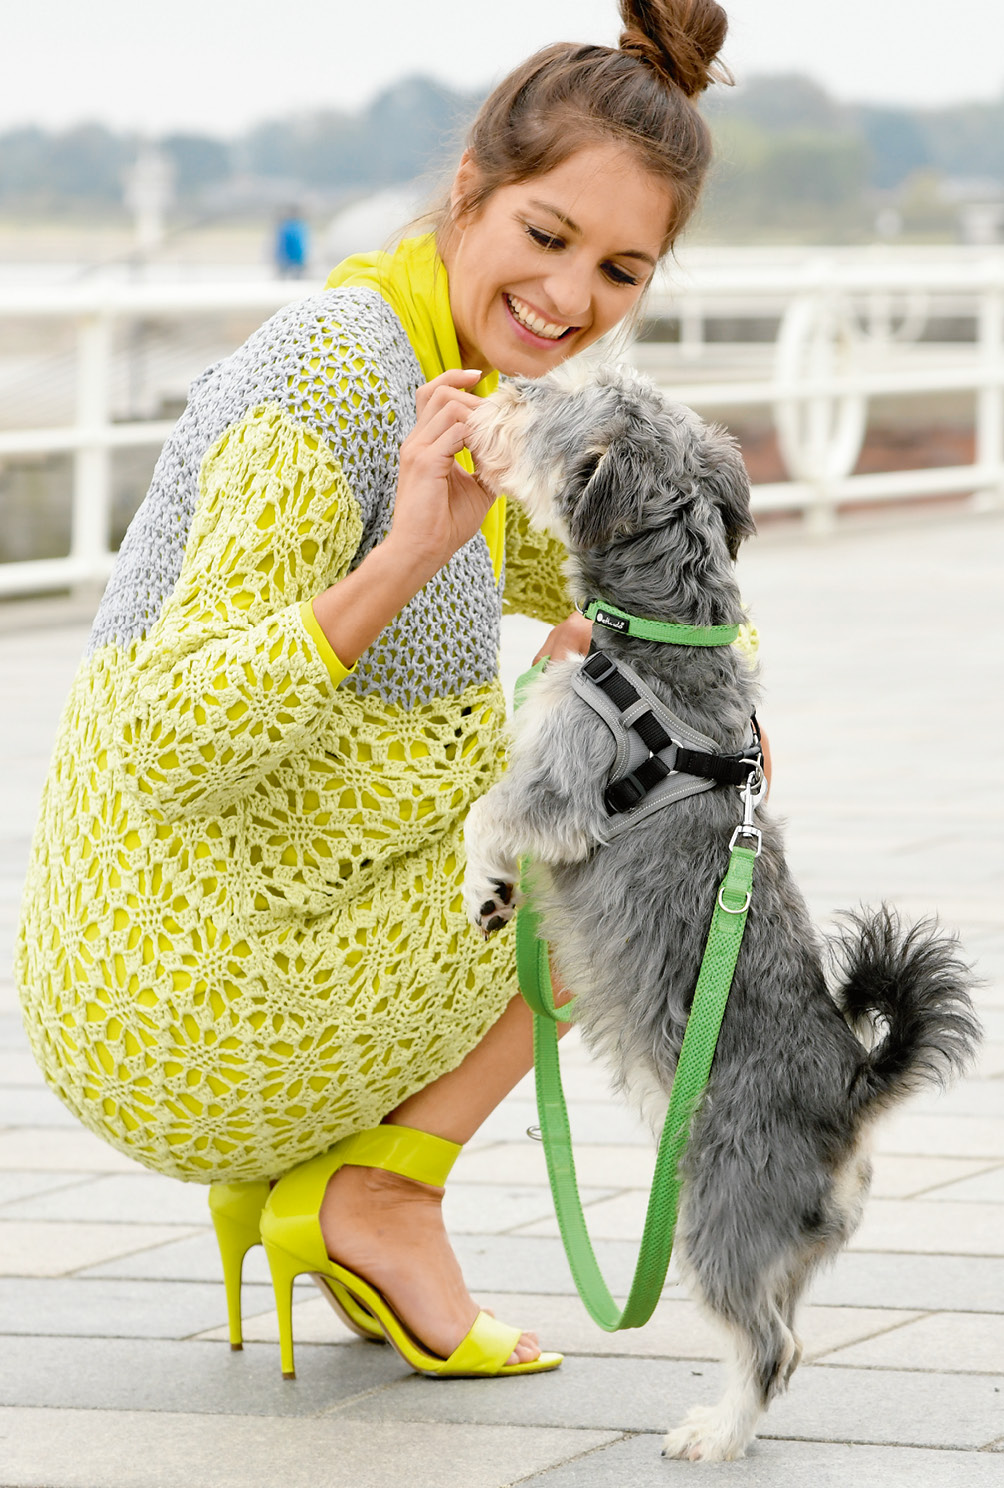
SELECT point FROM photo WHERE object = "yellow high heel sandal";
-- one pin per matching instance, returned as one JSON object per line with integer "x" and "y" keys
{"x": 291, "y": 1234}
{"x": 236, "y": 1209}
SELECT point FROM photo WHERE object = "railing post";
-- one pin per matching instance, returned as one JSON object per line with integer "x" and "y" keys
{"x": 691, "y": 329}
{"x": 91, "y": 525}
{"x": 820, "y": 421}
{"x": 990, "y": 400}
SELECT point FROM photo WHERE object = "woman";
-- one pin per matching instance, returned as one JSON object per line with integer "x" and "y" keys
{"x": 243, "y": 938}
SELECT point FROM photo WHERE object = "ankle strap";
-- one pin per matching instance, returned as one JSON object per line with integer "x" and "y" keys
{"x": 402, "y": 1149}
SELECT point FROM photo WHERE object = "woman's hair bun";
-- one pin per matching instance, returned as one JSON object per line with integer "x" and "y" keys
{"x": 680, "y": 39}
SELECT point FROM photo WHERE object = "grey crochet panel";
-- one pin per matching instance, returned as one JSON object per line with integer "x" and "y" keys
{"x": 337, "y": 362}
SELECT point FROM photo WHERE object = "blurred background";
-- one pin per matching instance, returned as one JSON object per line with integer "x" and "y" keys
{"x": 170, "y": 176}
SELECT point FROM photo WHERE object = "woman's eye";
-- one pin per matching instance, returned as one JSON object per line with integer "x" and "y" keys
{"x": 618, "y": 275}
{"x": 544, "y": 239}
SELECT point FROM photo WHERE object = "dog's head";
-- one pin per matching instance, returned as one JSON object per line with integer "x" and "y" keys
{"x": 599, "y": 455}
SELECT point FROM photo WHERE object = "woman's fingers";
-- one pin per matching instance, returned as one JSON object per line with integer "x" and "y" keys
{"x": 431, "y": 438}
{"x": 456, "y": 378}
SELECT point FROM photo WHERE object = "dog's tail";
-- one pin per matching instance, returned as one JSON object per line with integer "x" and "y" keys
{"x": 907, "y": 993}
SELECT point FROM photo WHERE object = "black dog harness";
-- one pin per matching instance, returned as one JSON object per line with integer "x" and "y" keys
{"x": 659, "y": 758}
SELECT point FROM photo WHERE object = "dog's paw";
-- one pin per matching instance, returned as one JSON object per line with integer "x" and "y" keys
{"x": 490, "y": 903}
{"x": 700, "y": 1438}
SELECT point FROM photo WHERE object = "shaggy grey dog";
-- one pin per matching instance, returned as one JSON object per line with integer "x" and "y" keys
{"x": 653, "y": 505}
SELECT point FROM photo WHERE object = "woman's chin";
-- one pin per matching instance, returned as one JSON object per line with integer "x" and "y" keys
{"x": 527, "y": 361}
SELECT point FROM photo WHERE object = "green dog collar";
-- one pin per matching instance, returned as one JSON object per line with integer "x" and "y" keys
{"x": 658, "y": 630}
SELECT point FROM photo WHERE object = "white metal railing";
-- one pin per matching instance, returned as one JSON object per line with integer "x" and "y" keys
{"x": 849, "y": 328}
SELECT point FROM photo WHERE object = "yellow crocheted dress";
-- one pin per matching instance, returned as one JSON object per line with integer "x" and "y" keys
{"x": 242, "y": 934}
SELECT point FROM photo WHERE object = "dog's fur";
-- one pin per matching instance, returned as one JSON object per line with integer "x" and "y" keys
{"x": 653, "y": 505}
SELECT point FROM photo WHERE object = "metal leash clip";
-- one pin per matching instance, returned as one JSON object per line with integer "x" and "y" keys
{"x": 752, "y": 792}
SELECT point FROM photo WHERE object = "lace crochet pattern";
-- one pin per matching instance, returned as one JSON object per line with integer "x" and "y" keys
{"x": 243, "y": 934}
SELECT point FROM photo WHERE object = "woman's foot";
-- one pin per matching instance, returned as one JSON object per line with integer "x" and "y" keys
{"x": 389, "y": 1230}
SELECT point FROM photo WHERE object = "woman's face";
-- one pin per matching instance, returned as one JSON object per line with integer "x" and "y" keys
{"x": 550, "y": 264}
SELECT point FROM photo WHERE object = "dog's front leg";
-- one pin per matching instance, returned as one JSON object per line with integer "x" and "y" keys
{"x": 490, "y": 893}
{"x": 548, "y": 805}
{"x": 513, "y": 821}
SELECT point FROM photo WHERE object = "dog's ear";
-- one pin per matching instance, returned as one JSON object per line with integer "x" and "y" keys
{"x": 603, "y": 494}
{"x": 725, "y": 480}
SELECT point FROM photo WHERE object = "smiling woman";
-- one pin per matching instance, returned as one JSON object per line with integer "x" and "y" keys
{"x": 243, "y": 954}
{"x": 548, "y": 265}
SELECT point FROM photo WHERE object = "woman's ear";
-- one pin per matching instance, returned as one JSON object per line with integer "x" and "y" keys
{"x": 464, "y": 182}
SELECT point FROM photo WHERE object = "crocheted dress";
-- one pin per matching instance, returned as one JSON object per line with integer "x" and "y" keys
{"x": 242, "y": 934}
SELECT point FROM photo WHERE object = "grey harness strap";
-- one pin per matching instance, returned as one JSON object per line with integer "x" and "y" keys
{"x": 624, "y": 701}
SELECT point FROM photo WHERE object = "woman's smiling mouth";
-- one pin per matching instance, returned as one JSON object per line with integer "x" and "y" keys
{"x": 528, "y": 320}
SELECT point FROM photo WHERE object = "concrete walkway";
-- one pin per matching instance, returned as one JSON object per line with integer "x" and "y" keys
{"x": 883, "y": 673}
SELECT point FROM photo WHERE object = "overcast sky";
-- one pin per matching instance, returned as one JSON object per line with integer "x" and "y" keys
{"x": 219, "y": 65}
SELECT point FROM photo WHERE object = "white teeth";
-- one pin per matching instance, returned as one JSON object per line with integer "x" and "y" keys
{"x": 533, "y": 322}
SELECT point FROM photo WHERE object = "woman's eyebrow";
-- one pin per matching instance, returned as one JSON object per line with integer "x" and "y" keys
{"x": 575, "y": 228}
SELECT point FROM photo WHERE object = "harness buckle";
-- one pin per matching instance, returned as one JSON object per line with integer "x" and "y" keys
{"x": 623, "y": 794}
{"x": 598, "y": 667}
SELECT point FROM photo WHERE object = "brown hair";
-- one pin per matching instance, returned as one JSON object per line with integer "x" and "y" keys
{"x": 641, "y": 94}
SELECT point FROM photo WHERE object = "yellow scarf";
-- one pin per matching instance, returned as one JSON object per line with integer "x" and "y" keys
{"x": 413, "y": 281}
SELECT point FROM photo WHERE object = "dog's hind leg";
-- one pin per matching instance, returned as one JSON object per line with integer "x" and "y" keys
{"x": 765, "y": 1352}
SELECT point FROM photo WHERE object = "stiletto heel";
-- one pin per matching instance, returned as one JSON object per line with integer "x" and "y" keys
{"x": 291, "y": 1234}
{"x": 284, "y": 1271}
{"x": 236, "y": 1209}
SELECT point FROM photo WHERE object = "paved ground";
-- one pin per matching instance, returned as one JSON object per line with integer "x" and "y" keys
{"x": 884, "y": 703}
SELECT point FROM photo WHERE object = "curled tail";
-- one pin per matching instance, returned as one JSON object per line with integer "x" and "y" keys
{"x": 907, "y": 993}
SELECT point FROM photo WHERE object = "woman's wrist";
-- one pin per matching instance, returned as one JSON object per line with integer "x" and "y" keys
{"x": 353, "y": 612}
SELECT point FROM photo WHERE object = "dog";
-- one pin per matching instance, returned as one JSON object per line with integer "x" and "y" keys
{"x": 818, "y": 1039}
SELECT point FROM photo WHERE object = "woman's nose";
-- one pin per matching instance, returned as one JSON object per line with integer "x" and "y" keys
{"x": 569, "y": 293}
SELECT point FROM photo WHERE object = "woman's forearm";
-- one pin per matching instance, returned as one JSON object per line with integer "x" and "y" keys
{"x": 353, "y": 612}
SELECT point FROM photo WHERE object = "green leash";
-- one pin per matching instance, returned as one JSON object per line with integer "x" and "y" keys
{"x": 700, "y": 1040}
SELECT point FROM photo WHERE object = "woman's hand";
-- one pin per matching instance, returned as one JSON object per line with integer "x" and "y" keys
{"x": 570, "y": 638}
{"x": 439, "y": 507}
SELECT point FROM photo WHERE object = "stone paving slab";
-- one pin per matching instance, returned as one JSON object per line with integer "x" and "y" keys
{"x": 71, "y": 1306}
{"x": 677, "y": 1330}
{"x": 16, "y": 1185}
{"x": 34, "y": 1105}
{"x": 888, "y": 1224}
{"x": 635, "y": 1462}
{"x": 990, "y": 1062}
{"x": 951, "y": 1341}
{"x": 971, "y": 1097}
{"x": 929, "y": 1283}
{"x": 909, "y": 1177}
{"x": 941, "y": 1136}
{"x": 896, "y": 1176}
{"x": 61, "y": 1448}
{"x": 46, "y": 1148}
{"x": 18, "y": 1068}
{"x": 627, "y": 1394}
{"x": 191, "y": 1258}
{"x": 128, "y": 1198}
{"x": 156, "y": 1374}
{"x": 984, "y": 1188}
{"x": 41, "y": 1248}
{"x": 479, "y": 1208}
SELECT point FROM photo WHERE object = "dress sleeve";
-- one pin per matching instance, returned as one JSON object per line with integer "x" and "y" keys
{"x": 236, "y": 673}
{"x": 535, "y": 582}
